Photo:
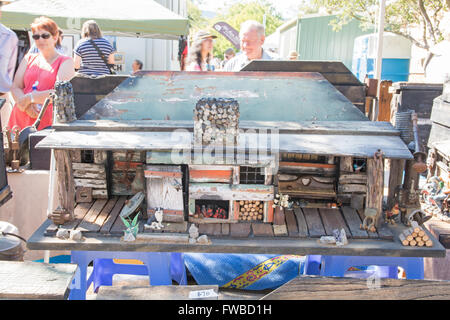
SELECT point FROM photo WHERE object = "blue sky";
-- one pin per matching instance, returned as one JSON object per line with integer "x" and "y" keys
{"x": 287, "y": 8}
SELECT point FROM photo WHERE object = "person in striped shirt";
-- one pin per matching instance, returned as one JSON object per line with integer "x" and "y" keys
{"x": 87, "y": 59}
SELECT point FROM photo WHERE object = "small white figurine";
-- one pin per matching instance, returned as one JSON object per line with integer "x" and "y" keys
{"x": 193, "y": 232}
{"x": 203, "y": 239}
{"x": 342, "y": 238}
{"x": 157, "y": 225}
{"x": 63, "y": 234}
{"x": 76, "y": 235}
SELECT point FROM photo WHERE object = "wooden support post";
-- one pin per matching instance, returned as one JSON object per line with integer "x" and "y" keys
{"x": 411, "y": 182}
{"x": 368, "y": 106}
{"x": 236, "y": 175}
{"x": 396, "y": 169}
{"x": 346, "y": 164}
{"x": 66, "y": 188}
{"x": 372, "y": 87}
{"x": 431, "y": 162}
{"x": 268, "y": 176}
{"x": 375, "y": 185}
{"x": 384, "y": 112}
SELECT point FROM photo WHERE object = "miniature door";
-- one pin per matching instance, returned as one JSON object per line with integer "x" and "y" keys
{"x": 165, "y": 190}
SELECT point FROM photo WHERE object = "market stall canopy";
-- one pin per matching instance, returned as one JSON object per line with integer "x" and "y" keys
{"x": 143, "y": 18}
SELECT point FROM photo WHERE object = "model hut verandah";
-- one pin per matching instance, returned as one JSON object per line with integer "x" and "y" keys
{"x": 222, "y": 151}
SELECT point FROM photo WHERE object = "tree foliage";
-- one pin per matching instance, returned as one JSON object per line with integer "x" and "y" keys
{"x": 235, "y": 13}
{"x": 401, "y": 17}
{"x": 196, "y": 21}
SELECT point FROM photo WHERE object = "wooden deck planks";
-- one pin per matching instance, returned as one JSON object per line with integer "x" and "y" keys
{"x": 384, "y": 233}
{"x": 53, "y": 228}
{"x": 354, "y": 222}
{"x": 301, "y": 223}
{"x": 79, "y": 212}
{"x": 372, "y": 235}
{"x": 291, "y": 223}
{"x": 262, "y": 230}
{"x": 314, "y": 223}
{"x": 332, "y": 219}
{"x": 113, "y": 216}
{"x": 279, "y": 223}
{"x": 101, "y": 218}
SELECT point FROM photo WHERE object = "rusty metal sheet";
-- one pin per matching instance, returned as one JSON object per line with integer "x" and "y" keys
{"x": 262, "y": 96}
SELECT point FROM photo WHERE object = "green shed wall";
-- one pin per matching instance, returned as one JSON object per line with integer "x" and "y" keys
{"x": 316, "y": 40}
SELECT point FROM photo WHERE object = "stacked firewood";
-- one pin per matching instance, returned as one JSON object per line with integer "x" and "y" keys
{"x": 251, "y": 210}
{"x": 216, "y": 121}
{"x": 415, "y": 236}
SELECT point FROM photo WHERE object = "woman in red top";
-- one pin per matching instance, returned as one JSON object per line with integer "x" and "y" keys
{"x": 40, "y": 70}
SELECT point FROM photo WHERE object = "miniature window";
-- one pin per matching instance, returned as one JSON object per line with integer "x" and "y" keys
{"x": 87, "y": 156}
{"x": 250, "y": 175}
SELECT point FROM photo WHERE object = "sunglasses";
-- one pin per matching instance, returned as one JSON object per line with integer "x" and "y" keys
{"x": 44, "y": 36}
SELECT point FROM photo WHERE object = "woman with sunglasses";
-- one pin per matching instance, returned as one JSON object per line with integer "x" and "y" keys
{"x": 36, "y": 76}
{"x": 59, "y": 48}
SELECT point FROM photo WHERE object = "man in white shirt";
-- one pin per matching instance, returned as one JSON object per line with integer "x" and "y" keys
{"x": 8, "y": 59}
{"x": 252, "y": 37}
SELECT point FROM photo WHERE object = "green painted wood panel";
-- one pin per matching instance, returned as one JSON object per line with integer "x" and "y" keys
{"x": 262, "y": 96}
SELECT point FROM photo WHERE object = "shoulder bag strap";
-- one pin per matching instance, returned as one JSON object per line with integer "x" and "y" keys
{"x": 101, "y": 55}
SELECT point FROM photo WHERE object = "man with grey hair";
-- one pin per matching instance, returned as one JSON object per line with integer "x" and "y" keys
{"x": 252, "y": 36}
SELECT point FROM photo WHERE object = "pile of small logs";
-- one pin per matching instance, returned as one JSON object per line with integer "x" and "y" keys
{"x": 216, "y": 121}
{"x": 251, "y": 210}
{"x": 415, "y": 236}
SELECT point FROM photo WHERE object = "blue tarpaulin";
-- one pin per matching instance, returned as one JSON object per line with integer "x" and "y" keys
{"x": 244, "y": 271}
